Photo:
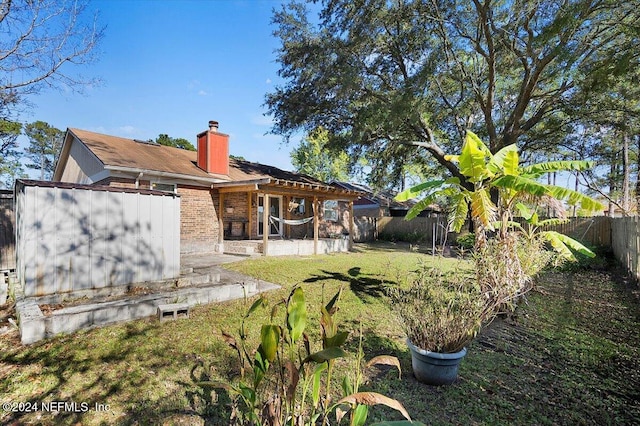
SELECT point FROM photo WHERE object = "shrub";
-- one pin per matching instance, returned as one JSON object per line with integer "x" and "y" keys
{"x": 440, "y": 312}
{"x": 466, "y": 241}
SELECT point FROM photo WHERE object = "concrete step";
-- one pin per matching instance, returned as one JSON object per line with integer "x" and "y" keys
{"x": 35, "y": 326}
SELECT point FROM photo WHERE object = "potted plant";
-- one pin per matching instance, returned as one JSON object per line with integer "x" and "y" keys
{"x": 441, "y": 313}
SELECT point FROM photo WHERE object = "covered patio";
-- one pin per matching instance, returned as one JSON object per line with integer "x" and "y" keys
{"x": 301, "y": 218}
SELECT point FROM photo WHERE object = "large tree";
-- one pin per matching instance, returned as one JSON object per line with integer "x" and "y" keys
{"x": 386, "y": 76}
{"x": 10, "y": 165}
{"x": 314, "y": 158}
{"x": 164, "y": 139}
{"x": 44, "y": 43}
{"x": 45, "y": 142}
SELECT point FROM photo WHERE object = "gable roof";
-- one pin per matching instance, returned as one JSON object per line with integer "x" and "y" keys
{"x": 129, "y": 155}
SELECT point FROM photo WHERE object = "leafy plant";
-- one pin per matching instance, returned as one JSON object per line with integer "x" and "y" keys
{"x": 494, "y": 185}
{"x": 288, "y": 381}
{"x": 487, "y": 173}
{"x": 440, "y": 312}
{"x": 466, "y": 241}
{"x": 534, "y": 229}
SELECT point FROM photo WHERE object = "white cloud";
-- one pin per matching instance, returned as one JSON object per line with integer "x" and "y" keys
{"x": 268, "y": 81}
{"x": 202, "y": 93}
{"x": 193, "y": 84}
{"x": 262, "y": 120}
{"x": 128, "y": 130}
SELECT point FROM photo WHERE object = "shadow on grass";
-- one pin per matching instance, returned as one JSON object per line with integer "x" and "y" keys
{"x": 53, "y": 367}
{"x": 364, "y": 286}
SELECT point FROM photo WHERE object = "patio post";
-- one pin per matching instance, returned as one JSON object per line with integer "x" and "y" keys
{"x": 316, "y": 207}
{"x": 266, "y": 227}
{"x": 220, "y": 247}
{"x": 351, "y": 225}
{"x": 249, "y": 195}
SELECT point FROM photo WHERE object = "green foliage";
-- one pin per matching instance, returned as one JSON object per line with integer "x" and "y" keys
{"x": 498, "y": 173}
{"x": 440, "y": 312}
{"x": 407, "y": 237}
{"x": 534, "y": 229}
{"x": 45, "y": 143}
{"x": 164, "y": 139}
{"x": 286, "y": 369}
{"x": 10, "y": 164}
{"x": 315, "y": 158}
{"x": 380, "y": 74}
{"x": 466, "y": 241}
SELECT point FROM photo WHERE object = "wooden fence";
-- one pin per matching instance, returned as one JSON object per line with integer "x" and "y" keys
{"x": 625, "y": 234}
{"x": 7, "y": 232}
{"x": 590, "y": 230}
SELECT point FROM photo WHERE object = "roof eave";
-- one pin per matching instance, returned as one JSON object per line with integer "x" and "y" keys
{"x": 148, "y": 172}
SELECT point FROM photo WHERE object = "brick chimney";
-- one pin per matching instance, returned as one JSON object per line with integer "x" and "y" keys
{"x": 213, "y": 150}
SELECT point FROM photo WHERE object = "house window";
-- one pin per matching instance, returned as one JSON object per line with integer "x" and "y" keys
{"x": 296, "y": 206}
{"x": 330, "y": 210}
{"x": 166, "y": 187}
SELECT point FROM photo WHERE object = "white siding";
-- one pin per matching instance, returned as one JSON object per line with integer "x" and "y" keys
{"x": 80, "y": 165}
{"x": 73, "y": 239}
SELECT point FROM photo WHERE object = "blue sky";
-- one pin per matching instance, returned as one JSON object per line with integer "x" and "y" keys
{"x": 170, "y": 66}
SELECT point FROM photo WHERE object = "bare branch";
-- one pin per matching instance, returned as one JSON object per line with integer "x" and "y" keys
{"x": 41, "y": 39}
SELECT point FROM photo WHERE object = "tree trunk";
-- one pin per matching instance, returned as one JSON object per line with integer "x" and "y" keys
{"x": 625, "y": 173}
{"x": 638, "y": 177}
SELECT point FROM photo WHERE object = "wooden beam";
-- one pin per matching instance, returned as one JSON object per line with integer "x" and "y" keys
{"x": 249, "y": 214}
{"x": 265, "y": 224}
{"x": 240, "y": 188}
{"x": 300, "y": 192}
{"x": 351, "y": 225}
{"x": 316, "y": 224}
{"x": 287, "y": 216}
{"x": 221, "y": 219}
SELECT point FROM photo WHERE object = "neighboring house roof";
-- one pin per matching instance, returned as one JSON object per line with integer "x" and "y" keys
{"x": 381, "y": 198}
{"x": 128, "y": 155}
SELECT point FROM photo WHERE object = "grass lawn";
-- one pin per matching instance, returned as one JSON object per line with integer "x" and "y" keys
{"x": 568, "y": 356}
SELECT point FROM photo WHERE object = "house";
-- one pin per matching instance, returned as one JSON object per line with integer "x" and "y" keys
{"x": 378, "y": 204}
{"x": 224, "y": 202}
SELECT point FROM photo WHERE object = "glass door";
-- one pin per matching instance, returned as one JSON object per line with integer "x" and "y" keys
{"x": 275, "y": 210}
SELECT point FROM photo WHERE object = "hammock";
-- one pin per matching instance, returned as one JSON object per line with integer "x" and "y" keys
{"x": 290, "y": 221}
{"x": 274, "y": 219}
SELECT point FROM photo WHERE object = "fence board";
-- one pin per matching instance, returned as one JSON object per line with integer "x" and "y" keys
{"x": 430, "y": 230}
{"x": 625, "y": 234}
{"x": 7, "y": 232}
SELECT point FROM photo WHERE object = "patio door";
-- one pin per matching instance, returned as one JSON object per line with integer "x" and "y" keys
{"x": 275, "y": 210}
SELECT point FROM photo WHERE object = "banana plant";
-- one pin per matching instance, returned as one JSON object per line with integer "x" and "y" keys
{"x": 534, "y": 229}
{"x": 488, "y": 173}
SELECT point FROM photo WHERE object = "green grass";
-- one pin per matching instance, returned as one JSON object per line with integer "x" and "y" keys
{"x": 569, "y": 355}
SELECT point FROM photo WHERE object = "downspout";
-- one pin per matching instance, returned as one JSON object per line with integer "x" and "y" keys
{"x": 138, "y": 180}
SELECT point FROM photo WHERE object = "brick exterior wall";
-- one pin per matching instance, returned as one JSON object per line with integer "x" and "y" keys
{"x": 199, "y": 216}
{"x": 328, "y": 229}
{"x": 236, "y": 222}
{"x": 198, "y": 220}
{"x": 123, "y": 183}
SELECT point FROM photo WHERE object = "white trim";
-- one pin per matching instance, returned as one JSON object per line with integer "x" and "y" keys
{"x": 259, "y": 215}
{"x": 101, "y": 175}
{"x": 177, "y": 176}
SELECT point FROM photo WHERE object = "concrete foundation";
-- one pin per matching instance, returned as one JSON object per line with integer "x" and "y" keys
{"x": 203, "y": 286}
